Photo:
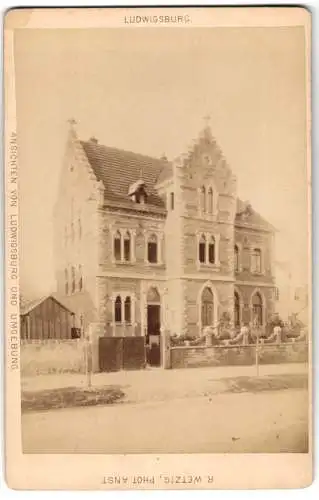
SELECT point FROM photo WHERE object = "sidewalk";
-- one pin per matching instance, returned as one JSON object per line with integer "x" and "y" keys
{"x": 155, "y": 384}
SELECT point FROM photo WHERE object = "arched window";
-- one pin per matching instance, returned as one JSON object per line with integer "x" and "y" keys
{"x": 257, "y": 304}
{"x": 236, "y": 254}
{"x": 202, "y": 249}
{"x": 80, "y": 278}
{"x": 152, "y": 249}
{"x": 172, "y": 200}
{"x": 66, "y": 281}
{"x": 117, "y": 246}
{"x": 127, "y": 247}
{"x": 207, "y": 307}
{"x": 73, "y": 279}
{"x": 210, "y": 201}
{"x": 203, "y": 199}
{"x": 127, "y": 310}
{"x": 236, "y": 309}
{"x": 211, "y": 250}
{"x": 118, "y": 309}
{"x": 256, "y": 261}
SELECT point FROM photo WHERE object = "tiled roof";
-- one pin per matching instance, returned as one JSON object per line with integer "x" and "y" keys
{"x": 246, "y": 215}
{"x": 119, "y": 169}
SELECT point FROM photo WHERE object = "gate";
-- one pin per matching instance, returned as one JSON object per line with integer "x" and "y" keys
{"x": 121, "y": 353}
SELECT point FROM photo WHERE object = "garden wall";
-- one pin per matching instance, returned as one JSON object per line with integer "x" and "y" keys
{"x": 244, "y": 355}
{"x": 52, "y": 356}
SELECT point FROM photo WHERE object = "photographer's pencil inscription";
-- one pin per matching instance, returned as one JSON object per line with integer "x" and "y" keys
{"x": 158, "y": 249}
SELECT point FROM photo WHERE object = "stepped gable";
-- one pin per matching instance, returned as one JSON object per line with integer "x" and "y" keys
{"x": 119, "y": 169}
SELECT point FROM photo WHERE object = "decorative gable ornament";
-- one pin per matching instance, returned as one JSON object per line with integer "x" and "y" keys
{"x": 246, "y": 212}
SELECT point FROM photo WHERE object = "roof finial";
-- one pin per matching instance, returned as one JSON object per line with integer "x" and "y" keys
{"x": 72, "y": 122}
{"x": 207, "y": 120}
{"x": 163, "y": 157}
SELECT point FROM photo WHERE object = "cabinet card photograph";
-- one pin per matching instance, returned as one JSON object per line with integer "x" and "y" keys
{"x": 158, "y": 248}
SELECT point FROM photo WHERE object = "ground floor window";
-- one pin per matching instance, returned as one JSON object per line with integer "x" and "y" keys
{"x": 236, "y": 309}
{"x": 127, "y": 310}
{"x": 207, "y": 307}
{"x": 118, "y": 309}
{"x": 257, "y": 309}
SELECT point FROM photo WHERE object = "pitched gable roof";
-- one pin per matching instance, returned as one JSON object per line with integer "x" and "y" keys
{"x": 247, "y": 216}
{"x": 29, "y": 306}
{"x": 119, "y": 169}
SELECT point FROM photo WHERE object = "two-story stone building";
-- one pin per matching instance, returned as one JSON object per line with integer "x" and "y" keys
{"x": 143, "y": 244}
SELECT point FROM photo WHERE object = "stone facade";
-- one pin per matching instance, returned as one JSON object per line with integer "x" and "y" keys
{"x": 196, "y": 252}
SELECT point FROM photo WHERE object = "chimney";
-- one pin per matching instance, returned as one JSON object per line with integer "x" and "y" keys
{"x": 94, "y": 140}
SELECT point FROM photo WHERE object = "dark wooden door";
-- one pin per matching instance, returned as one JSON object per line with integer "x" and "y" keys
{"x": 110, "y": 354}
{"x": 133, "y": 353}
{"x": 153, "y": 339}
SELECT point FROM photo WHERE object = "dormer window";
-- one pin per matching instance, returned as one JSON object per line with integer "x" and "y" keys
{"x": 137, "y": 192}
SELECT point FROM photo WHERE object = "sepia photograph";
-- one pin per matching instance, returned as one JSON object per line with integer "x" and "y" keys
{"x": 159, "y": 234}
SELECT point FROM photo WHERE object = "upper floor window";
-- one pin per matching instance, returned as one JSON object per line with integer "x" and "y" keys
{"x": 256, "y": 260}
{"x": 203, "y": 199}
{"x": 202, "y": 249}
{"x": 208, "y": 249}
{"x": 123, "y": 246}
{"x": 210, "y": 201}
{"x": 80, "y": 278}
{"x": 127, "y": 247}
{"x": 152, "y": 249}
{"x": 236, "y": 252}
{"x": 207, "y": 200}
{"x": 211, "y": 250}
{"x": 117, "y": 246}
{"x": 172, "y": 201}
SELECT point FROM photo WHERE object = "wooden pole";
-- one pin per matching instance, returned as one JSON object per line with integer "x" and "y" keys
{"x": 86, "y": 354}
{"x": 257, "y": 352}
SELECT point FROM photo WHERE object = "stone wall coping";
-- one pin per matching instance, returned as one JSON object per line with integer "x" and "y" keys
{"x": 50, "y": 341}
{"x": 203, "y": 347}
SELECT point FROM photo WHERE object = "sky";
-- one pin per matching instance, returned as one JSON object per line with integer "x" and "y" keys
{"x": 147, "y": 90}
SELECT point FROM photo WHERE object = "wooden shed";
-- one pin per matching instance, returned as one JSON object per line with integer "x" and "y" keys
{"x": 47, "y": 318}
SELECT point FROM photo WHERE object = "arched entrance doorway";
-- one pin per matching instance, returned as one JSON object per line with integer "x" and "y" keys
{"x": 207, "y": 307}
{"x": 257, "y": 309}
{"x": 153, "y": 336}
{"x": 236, "y": 309}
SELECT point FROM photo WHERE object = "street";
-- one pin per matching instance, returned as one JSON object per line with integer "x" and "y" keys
{"x": 188, "y": 422}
